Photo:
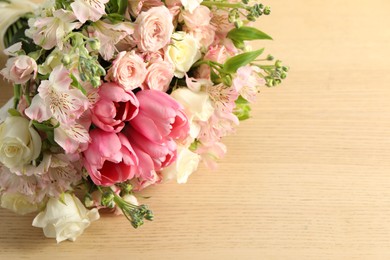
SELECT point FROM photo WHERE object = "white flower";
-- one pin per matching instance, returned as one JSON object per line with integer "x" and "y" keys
{"x": 65, "y": 220}
{"x": 19, "y": 142}
{"x": 48, "y": 32}
{"x": 10, "y": 12}
{"x": 191, "y": 5}
{"x": 186, "y": 163}
{"x": 198, "y": 107}
{"x": 4, "y": 110}
{"x": 19, "y": 203}
{"x": 183, "y": 53}
{"x": 88, "y": 9}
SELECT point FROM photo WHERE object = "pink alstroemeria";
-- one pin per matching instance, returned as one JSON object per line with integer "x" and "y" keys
{"x": 223, "y": 96}
{"x": 49, "y": 32}
{"x": 109, "y": 35}
{"x": 91, "y": 10}
{"x": 247, "y": 82}
{"x": 57, "y": 99}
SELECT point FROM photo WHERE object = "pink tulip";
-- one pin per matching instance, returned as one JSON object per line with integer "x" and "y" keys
{"x": 152, "y": 133}
{"x": 160, "y": 116}
{"x": 110, "y": 158}
{"x": 115, "y": 107}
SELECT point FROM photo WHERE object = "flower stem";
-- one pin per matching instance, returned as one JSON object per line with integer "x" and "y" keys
{"x": 222, "y": 4}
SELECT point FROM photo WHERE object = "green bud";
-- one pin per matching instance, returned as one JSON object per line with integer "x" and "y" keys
{"x": 66, "y": 60}
{"x": 278, "y": 64}
{"x": 251, "y": 18}
{"x": 94, "y": 44}
{"x": 227, "y": 80}
{"x": 149, "y": 215}
{"x": 108, "y": 199}
{"x": 95, "y": 81}
{"x": 267, "y": 10}
{"x": 245, "y": 2}
{"x": 286, "y": 69}
{"x": 238, "y": 23}
{"x": 283, "y": 75}
{"x": 270, "y": 57}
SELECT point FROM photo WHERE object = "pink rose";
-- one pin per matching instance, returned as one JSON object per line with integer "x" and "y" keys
{"x": 159, "y": 76}
{"x": 153, "y": 29}
{"x": 160, "y": 121}
{"x": 114, "y": 107}
{"x": 137, "y": 6}
{"x": 20, "y": 69}
{"x": 201, "y": 16}
{"x": 109, "y": 158}
{"x": 128, "y": 70}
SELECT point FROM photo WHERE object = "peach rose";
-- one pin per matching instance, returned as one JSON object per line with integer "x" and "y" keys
{"x": 128, "y": 70}
{"x": 159, "y": 76}
{"x": 20, "y": 69}
{"x": 153, "y": 29}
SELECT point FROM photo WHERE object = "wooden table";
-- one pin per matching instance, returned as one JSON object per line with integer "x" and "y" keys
{"x": 308, "y": 177}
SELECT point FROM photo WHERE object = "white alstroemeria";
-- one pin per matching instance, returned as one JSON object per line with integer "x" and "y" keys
{"x": 198, "y": 107}
{"x": 57, "y": 99}
{"x": 109, "y": 35}
{"x": 186, "y": 163}
{"x": 91, "y": 10}
{"x": 65, "y": 220}
{"x": 49, "y": 32}
{"x": 10, "y": 12}
{"x": 183, "y": 53}
{"x": 190, "y": 5}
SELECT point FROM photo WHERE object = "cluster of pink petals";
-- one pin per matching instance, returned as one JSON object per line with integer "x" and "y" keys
{"x": 152, "y": 122}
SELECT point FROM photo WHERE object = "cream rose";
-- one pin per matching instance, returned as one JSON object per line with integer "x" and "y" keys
{"x": 128, "y": 70}
{"x": 183, "y": 53}
{"x": 153, "y": 29}
{"x": 19, "y": 142}
{"x": 197, "y": 105}
{"x": 186, "y": 163}
{"x": 19, "y": 203}
{"x": 10, "y": 12}
{"x": 190, "y": 5}
{"x": 65, "y": 220}
{"x": 20, "y": 69}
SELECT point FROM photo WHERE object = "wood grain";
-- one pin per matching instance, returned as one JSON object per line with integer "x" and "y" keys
{"x": 308, "y": 177}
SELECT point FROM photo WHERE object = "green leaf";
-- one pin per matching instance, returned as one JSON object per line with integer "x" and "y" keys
{"x": 122, "y": 6}
{"x": 245, "y": 33}
{"x": 236, "y": 62}
{"x": 13, "y": 112}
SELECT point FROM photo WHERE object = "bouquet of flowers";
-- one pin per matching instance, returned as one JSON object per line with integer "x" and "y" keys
{"x": 112, "y": 96}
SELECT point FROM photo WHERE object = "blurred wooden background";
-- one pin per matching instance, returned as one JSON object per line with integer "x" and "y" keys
{"x": 308, "y": 177}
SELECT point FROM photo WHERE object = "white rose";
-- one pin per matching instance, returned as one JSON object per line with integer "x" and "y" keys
{"x": 19, "y": 203}
{"x": 191, "y": 5}
{"x": 19, "y": 142}
{"x": 65, "y": 220}
{"x": 10, "y": 12}
{"x": 197, "y": 105}
{"x": 183, "y": 53}
{"x": 186, "y": 163}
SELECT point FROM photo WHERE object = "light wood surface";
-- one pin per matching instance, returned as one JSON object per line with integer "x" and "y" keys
{"x": 308, "y": 177}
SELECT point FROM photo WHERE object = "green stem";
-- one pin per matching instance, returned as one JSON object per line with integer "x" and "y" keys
{"x": 17, "y": 94}
{"x": 221, "y": 4}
